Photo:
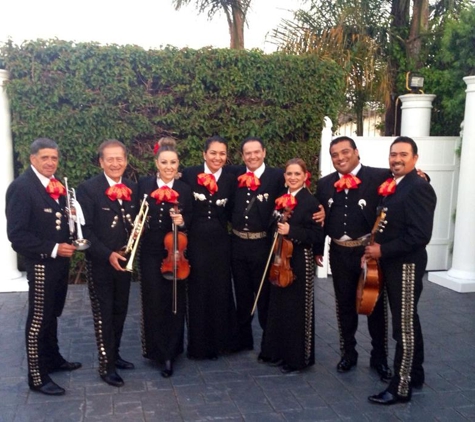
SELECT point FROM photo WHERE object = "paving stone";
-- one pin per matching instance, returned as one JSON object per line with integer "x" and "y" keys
{"x": 236, "y": 387}
{"x": 269, "y": 417}
{"x": 68, "y": 410}
{"x": 448, "y": 415}
{"x": 7, "y": 412}
{"x": 314, "y": 415}
{"x": 283, "y": 400}
{"x": 99, "y": 405}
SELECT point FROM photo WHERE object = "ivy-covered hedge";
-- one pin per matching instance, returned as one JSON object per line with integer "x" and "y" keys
{"x": 83, "y": 94}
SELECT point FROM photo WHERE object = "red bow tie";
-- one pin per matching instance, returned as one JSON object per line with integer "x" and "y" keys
{"x": 249, "y": 180}
{"x": 347, "y": 181}
{"x": 285, "y": 201}
{"x": 55, "y": 188}
{"x": 119, "y": 191}
{"x": 388, "y": 187}
{"x": 165, "y": 194}
{"x": 208, "y": 181}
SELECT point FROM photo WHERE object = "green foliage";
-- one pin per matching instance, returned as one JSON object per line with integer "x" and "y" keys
{"x": 453, "y": 59}
{"x": 82, "y": 94}
{"x": 353, "y": 33}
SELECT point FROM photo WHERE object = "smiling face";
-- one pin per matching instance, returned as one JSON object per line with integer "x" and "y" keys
{"x": 45, "y": 161}
{"x": 113, "y": 162}
{"x": 253, "y": 155}
{"x": 295, "y": 177}
{"x": 215, "y": 156}
{"x": 167, "y": 164}
{"x": 344, "y": 157}
{"x": 402, "y": 159}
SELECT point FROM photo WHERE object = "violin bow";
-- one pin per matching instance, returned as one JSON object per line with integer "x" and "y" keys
{"x": 175, "y": 241}
{"x": 276, "y": 235}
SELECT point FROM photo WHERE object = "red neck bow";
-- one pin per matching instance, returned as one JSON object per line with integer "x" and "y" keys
{"x": 388, "y": 187}
{"x": 119, "y": 191}
{"x": 208, "y": 181}
{"x": 285, "y": 201}
{"x": 347, "y": 181}
{"x": 165, "y": 194}
{"x": 249, "y": 180}
{"x": 55, "y": 188}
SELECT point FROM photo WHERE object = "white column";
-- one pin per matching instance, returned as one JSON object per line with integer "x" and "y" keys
{"x": 461, "y": 277}
{"x": 415, "y": 116}
{"x": 326, "y": 167}
{"x": 11, "y": 279}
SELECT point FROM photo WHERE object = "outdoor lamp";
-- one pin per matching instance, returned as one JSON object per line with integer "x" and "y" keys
{"x": 414, "y": 83}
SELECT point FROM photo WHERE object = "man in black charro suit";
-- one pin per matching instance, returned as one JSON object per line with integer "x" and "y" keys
{"x": 401, "y": 250}
{"x": 109, "y": 203}
{"x": 349, "y": 218}
{"x": 251, "y": 218}
{"x": 37, "y": 227}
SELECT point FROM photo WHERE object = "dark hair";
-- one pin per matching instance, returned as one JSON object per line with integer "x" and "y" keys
{"x": 215, "y": 138}
{"x": 252, "y": 139}
{"x": 167, "y": 143}
{"x": 405, "y": 140}
{"x": 110, "y": 143}
{"x": 42, "y": 143}
{"x": 342, "y": 139}
{"x": 297, "y": 161}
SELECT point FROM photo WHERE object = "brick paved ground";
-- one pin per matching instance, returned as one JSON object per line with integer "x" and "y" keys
{"x": 237, "y": 387}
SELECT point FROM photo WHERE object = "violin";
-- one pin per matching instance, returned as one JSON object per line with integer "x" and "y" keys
{"x": 175, "y": 265}
{"x": 281, "y": 273}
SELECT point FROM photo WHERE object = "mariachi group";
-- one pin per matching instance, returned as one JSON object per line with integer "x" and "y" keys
{"x": 214, "y": 244}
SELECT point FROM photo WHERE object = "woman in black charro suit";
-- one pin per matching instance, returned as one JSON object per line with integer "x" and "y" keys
{"x": 289, "y": 336}
{"x": 162, "y": 330}
{"x": 211, "y": 312}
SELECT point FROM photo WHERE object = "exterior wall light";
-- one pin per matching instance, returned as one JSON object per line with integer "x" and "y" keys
{"x": 414, "y": 83}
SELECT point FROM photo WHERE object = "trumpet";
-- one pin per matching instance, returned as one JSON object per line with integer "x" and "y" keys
{"x": 75, "y": 219}
{"x": 137, "y": 231}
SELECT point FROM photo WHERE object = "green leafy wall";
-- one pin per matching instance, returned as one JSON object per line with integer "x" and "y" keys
{"x": 82, "y": 94}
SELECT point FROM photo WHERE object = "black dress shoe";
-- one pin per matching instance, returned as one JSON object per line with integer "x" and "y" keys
{"x": 123, "y": 364}
{"x": 213, "y": 357}
{"x": 50, "y": 388}
{"x": 263, "y": 359}
{"x": 113, "y": 379}
{"x": 287, "y": 369}
{"x": 67, "y": 366}
{"x": 276, "y": 362}
{"x": 168, "y": 371}
{"x": 345, "y": 364}
{"x": 388, "y": 398}
{"x": 383, "y": 371}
